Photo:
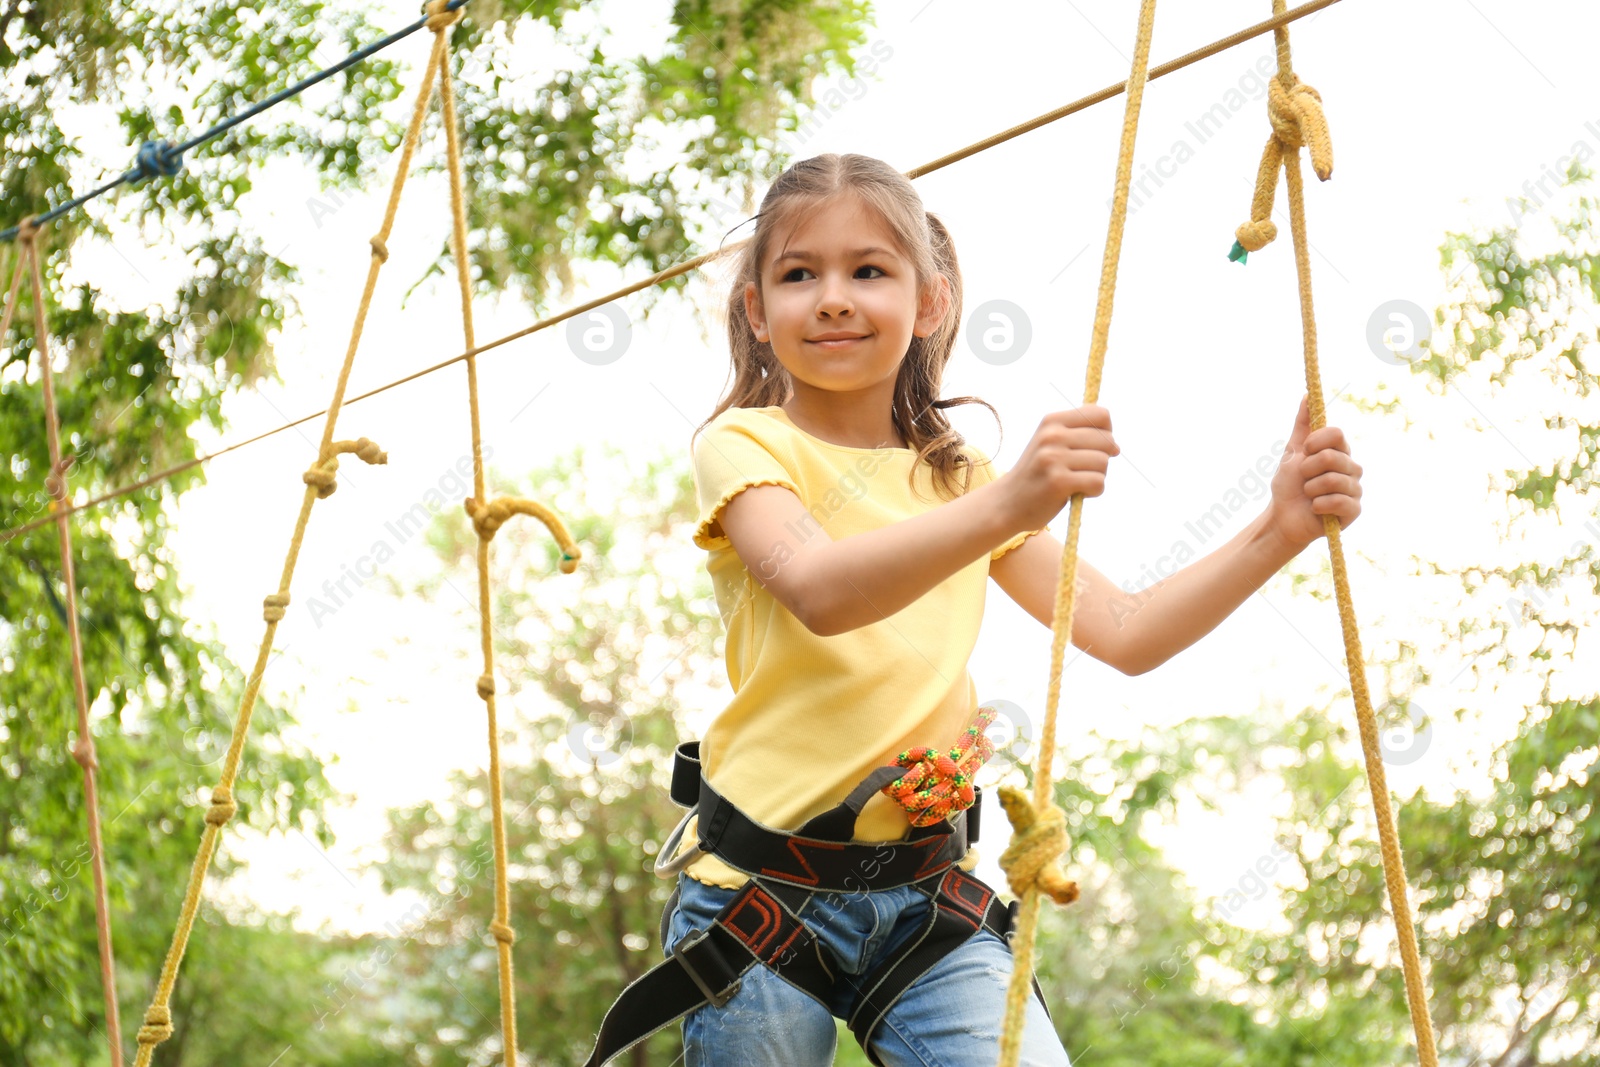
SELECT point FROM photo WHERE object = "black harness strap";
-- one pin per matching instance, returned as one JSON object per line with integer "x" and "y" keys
{"x": 761, "y": 924}
{"x": 820, "y": 855}
{"x": 961, "y": 905}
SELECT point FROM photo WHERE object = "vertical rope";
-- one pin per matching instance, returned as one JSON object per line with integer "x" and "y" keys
{"x": 501, "y": 927}
{"x": 83, "y": 751}
{"x": 158, "y": 1017}
{"x": 1394, "y": 873}
{"x": 1039, "y": 827}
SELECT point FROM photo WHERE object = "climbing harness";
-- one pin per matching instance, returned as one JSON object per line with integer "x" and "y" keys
{"x": 763, "y": 922}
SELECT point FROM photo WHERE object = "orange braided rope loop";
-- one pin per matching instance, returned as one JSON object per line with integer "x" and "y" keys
{"x": 938, "y": 784}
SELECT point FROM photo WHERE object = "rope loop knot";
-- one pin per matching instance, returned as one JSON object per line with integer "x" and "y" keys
{"x": 83, "y": 752}
{"x": 1297, "y": 121}
{"x": 1038, "y": 840}
{"x": 222, "y": 806}
{"x": 488, "y": 518}
{"x": 322, "y": 474}
{"x": 938, "y": 784}
{"x": 157, "y": 158}
{"x": 486, "y": 686}
{"x": 157, "y": 1025}
{"x": 272, "y": 606}
{"x": 439, "y": 19}
{"x": 503, "y": 933}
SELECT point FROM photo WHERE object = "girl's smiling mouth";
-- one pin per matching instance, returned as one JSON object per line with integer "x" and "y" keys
{"x": 828, "y": 344}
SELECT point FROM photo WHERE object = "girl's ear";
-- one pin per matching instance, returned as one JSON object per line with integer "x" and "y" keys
{"x": 754, "y": 312}
{"x": 933, "y": 307}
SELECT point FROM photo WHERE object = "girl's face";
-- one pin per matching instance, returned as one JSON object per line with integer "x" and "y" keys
{"x": 838, "y": 300}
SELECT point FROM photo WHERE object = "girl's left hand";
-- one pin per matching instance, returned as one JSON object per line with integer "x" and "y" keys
{"x": 1315, "y": 477}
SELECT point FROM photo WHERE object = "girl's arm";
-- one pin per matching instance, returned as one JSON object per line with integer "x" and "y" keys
{"x": 1135, "y": 632}
{"x": 1029, "y": 574}
{"x": 833, "y": 587}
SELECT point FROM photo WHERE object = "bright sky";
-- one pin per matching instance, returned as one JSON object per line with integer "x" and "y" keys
{"x": 1438, "y": 112}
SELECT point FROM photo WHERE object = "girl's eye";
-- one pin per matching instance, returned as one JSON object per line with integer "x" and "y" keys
{"x": 801, "y": 270}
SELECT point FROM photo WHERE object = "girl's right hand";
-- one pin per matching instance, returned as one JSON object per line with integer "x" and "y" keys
{"x": 1069, "y": 454}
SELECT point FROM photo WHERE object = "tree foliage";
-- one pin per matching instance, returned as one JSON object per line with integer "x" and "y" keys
{"x": 551, "y": 162}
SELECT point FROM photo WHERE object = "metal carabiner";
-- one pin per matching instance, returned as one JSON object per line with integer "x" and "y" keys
{"x": 669, "y": 868}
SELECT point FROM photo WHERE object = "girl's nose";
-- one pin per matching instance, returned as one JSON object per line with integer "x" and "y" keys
{"x": 834, "y": 297}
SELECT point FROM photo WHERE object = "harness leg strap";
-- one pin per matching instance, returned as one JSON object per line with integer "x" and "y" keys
{"x": 961, "y": 905}
{"x": 760, "y": 925}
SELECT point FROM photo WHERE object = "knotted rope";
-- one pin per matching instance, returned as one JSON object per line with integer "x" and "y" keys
{"x": 1311, "y": 7}
{"x": 1037, "y": 824}
{"x": 938, "y": 784}
{"x": 83, "y": 749}
{"x": 319, "y": 484}
{"x": 321, "y": 474}
{"x": 487, "y": 518}
{"x": 1315, "y": 134}
{"x": 1038, "y": 839}
{"x": 1296, "y": 116}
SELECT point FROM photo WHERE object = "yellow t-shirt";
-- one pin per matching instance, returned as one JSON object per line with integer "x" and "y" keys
{"x": 812, "y": 716}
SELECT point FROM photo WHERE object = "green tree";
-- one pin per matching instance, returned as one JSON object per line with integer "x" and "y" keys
{"x": 550, "y": 187}
{"x": 597, "y": 662}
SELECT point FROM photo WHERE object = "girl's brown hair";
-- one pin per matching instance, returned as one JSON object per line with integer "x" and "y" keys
{"x": 760, "y": 380}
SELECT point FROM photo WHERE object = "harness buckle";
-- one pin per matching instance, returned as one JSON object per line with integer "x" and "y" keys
{"x": 693, "y": 939}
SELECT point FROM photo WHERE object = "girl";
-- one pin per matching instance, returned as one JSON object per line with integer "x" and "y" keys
{"x": 851, "y": 534}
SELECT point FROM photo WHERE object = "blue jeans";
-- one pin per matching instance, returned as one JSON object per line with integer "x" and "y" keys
{"x": 950, "y": 1017}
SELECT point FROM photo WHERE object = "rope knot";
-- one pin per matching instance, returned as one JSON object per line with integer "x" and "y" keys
{"x": 157, "y": 1025}
{"x": 83, "y": 752}
{"x": 503, "y": 933}
{"x": 486, "y": 686}
{"x": 440, "y": 19}
{"x": 488, "y": 518}
{"x": 1038, "y": 840}
{"x": 272, "y": 606}
{"x": 157, "y": 158}
{"x": 323, "y": 473}
{"x": 1297, "y": 121}
{"x": 367, "y": 451}
{"x": 938, "y": 784}
{"x": 222, "y": 805}
{"x": 379, "y": 249}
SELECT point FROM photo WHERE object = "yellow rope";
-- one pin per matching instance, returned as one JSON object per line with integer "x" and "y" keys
{"x": 319, "y": 484}
{"x": 1249, "y": 33}
{"x": 83, "y": 750}
{"x": 486, "y": 521}
{"x": 1038, "y": 826}
{"x": 1296, "y": 121}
